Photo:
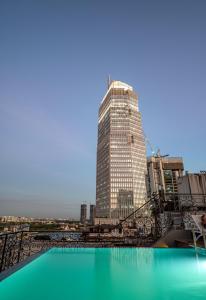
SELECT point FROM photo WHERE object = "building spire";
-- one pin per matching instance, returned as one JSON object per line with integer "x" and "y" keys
{"x": 108, "y": 81}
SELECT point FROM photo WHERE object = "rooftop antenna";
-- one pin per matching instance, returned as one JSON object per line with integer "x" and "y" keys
{"x": 108, "y": 81}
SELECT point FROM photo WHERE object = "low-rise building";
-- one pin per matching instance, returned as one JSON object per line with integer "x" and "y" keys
{"x": 163, "y": 174}
{"x": 192, "y": 190}
{"x": 108, "y": 221}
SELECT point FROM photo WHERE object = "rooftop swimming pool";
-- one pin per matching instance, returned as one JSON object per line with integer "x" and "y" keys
{"x": 109, "y": 273}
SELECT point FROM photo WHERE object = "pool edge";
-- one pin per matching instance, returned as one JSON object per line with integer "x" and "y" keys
{"x": 20, "y": 265}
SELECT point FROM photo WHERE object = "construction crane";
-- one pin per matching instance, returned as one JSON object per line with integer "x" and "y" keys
{"x": 159, "y": 160}
{"x": 157, "y": 154}
{"x": 147, "y": 141}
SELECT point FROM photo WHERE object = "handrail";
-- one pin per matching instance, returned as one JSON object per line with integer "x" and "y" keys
{"x": 134, "y": 212}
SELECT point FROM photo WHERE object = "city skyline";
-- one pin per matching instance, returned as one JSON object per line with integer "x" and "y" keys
{"x": 53, "y": 73}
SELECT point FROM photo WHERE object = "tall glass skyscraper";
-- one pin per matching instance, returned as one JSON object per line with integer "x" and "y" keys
{"x": 121, "y": 153}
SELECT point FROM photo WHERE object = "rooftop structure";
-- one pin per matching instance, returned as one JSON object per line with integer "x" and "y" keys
{"x": 192, "y": 190}
{"x": 163, "y": 173}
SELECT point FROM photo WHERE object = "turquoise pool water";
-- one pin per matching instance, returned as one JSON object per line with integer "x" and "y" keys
{"x": 104, "y": 274}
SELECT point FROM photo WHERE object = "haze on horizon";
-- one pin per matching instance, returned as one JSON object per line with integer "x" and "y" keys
{"x": 55, "y": 57}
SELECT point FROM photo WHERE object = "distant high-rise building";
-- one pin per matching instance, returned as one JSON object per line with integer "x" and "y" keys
{"x": 83, "y": 213}
{"x": 121, "y": 153}
{"x": 163, "y": 174}
{"x": 92, "y": 213}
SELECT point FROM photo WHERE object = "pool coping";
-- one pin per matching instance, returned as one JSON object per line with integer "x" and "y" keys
{"x": 6, "y": 273}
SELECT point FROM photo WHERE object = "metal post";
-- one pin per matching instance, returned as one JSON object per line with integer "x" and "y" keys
{"x": 20, "y": 245}
{"x": 3, "y": 253}
{"x": 194, "y": 238}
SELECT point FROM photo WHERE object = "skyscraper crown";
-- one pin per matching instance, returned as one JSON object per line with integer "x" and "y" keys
{"x": 115, "y": 84}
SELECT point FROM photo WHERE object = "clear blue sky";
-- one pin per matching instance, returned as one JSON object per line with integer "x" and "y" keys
{"x": 55, "y": 57}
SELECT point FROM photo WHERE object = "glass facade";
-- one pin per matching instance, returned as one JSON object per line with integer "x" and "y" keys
{"x": 121, "y": 154}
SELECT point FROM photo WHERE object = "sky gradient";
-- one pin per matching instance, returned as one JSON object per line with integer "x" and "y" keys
{"x": 55, "y": 57}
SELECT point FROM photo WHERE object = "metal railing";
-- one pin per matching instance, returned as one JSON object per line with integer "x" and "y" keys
{"x": 165, "y": 209}
{"x": 15, "y": 247}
